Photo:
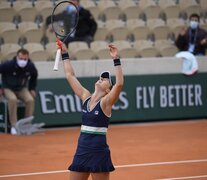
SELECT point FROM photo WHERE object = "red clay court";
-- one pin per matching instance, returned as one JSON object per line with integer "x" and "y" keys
{"x": 143, "y": 151}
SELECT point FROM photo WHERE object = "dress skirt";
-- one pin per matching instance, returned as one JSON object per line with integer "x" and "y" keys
{"x": 93, "y": 159}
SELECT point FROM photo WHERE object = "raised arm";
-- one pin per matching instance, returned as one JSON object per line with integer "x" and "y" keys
{"x": 113, "y": 95}
{"x": 79, "y": 90}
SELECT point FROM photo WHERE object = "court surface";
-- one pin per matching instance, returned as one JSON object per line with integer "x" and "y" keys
{"x": 144, "y": 151}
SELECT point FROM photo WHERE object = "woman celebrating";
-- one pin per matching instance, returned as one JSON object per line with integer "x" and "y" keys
{"x": 92, "y": 156}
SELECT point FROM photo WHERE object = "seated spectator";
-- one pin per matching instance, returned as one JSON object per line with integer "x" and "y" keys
{"x": 85, "y": 29}
{"x": 19, "y": 80}
{"x": 192, "y": 39}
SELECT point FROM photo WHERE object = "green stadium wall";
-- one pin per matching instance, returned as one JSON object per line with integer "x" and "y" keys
{"x": 159, "y": 92}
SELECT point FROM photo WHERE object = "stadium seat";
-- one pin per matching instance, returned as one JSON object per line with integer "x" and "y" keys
{"x": 25, "y": 10}
{"x": 166, "y": 48}
{"x": 100, "y": 49}
{"x": 138, "y": 28}
{"x": 79, "y": 50}
{"x": 170, "y": 8}
{"x": 203, "y": 24}
{"x": 50, "y": 34}
{"x": 145, "y": 49}
{"x": 150, "y": 8}
{"x": 109, "y": 9}
{"x": 9, "y": 50}
{"x": 125, "y": 49}
{"x": 9, "y": 32}
{"x": 51, "y": 49}
{"x": 88, "y": 3}
{"x": 117, "y": 29}
{"x": 31, "y": 31}
{"x": 189, "y": 6}
{"x": 92, "y": 7}
{"x": 85, "y": 54}
{"x": 95, "y": 12}
{"x": 129, "y": 8}
{"x": 158, "y": 28}
{"x": 44, "y": 8}
{"x": 6, "y": 12}
{"x": 203, "y": 5}
{"x": 6, "y": 24}
{"x": 36, "y": 52}
{"x": 175, "y": 25}
{"x": 101, "y": 32}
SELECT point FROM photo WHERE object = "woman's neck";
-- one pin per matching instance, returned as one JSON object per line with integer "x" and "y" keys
{"x": 96, "y": 96}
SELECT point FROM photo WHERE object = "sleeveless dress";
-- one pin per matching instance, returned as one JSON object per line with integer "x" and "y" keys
{"x": 92, "y": 154}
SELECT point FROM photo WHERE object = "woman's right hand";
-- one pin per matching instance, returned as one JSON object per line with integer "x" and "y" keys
{"x": 61, "y": 46}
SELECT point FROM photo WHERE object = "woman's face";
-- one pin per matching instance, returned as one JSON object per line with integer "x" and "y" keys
{"x": 103, "y": 83}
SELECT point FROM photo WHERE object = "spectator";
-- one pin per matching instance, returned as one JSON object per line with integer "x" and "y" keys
{"x": 193, "y": 38}
{"x": 85, "y": 29}
{"x": 19, "y": 79}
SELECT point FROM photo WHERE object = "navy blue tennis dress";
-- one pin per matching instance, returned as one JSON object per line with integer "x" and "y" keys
{"x": 92, "y": 154}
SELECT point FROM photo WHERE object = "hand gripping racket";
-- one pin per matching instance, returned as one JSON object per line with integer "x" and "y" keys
{"x": 64, "y": 20}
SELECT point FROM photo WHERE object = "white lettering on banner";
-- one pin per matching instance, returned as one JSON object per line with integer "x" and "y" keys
{"x": 177, "y": 97}
{"x": 52, "y": 103}
{"x": 78, "y": 103}
{"x": 180, "y": 95}
{"x": 46, "y": 98}
{"x": 169, "y": 96}
{"x": 163, "y": 96}
{"x": 190, "y": 95}
{"x": 145, "y": 97}
{"x": 1, "y": 117}
{"x": 122, "y": 103}
{"x": 183, "y": 88}
{"x": 59, "y": 103}
{"x": 198, "y": 94}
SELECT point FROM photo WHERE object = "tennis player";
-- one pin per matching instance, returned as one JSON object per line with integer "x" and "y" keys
{"x": 92, "y": 156}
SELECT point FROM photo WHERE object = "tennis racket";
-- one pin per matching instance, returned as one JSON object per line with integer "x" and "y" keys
{"x": 64, "y": 20}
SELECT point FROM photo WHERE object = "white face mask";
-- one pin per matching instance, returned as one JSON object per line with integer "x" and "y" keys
{"x": 22, "y": 63}
{"x": 193, "y": 24}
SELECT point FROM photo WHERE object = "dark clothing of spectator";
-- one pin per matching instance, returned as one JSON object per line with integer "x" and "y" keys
{"x": 85, "y": 29}
{"x": 19, "y": 80}
{"x": 192, "y": 37}
{"x": 16, "y": 78}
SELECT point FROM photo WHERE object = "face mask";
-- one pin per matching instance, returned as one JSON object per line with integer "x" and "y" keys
{"x": 21, "y": 63}
{"x": 193, "y": 24}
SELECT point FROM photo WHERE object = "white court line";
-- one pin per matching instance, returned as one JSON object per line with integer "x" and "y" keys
{"x": 187, "y": 177}
{"x": 118, "y": 166}
{"x": 32, "y": 174}
{"x": 162, "y": 163}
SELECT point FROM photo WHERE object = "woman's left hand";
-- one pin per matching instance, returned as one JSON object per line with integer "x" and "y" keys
{"x": 113, "y": 51}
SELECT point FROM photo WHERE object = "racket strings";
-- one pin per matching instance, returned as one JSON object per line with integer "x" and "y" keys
{"x": 64, "y": 19}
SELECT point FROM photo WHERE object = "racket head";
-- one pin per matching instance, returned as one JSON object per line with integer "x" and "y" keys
{"x": 64, "y": 19}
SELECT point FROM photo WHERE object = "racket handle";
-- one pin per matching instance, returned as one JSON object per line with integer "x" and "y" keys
{"x": 57, "y": 60}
